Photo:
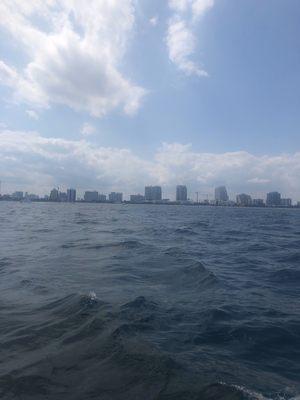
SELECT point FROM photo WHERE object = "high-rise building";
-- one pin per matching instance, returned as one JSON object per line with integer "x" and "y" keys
{"x": 221, "y": 194}
{"x": 54, "y": 195}
{"x": 273, "y": 199}
{"x": 243, "y": 200}
{"x": 102, "y": 197}
{"x": 32, "y": 196}
{"x": 181, "y": 193}
{"x": 17, "y": 195}
{"x": 137, "y": 198}
{"x": 91, "y": 196}
{"x": 71, "y": 195}
{"x": 153, "y": 193}
{"x": 63, "y": 196}
{"x": 286, "y": 202}
{"x": 115, "y": 197}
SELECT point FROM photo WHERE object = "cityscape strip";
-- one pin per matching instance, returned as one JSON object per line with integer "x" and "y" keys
{"x": 154, "y": 195}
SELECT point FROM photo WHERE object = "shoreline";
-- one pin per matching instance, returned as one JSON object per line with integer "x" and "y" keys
{"x": 170, "y": 203}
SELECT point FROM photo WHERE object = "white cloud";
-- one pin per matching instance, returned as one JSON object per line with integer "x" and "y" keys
{"x": 33, "y": 162}
{"x": 32, "y": 114}
{"x": 88, "y": 129}
{"x": 181, "y": 45}
{"x": 199, "y": 7}
{"x": 196, "y": 7}
{"x": 154, "y": 20}
{"x": 75, "y": 60}
{"x": 258, "y": 180}
{"x": 180, "y": 39}
{"x": 179, "y": 5}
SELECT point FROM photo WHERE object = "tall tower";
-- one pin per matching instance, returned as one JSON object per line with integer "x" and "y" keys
{"x": 221, "y": 194}
{"x": 181, "y": 193}
{"x": 153, "y": 193}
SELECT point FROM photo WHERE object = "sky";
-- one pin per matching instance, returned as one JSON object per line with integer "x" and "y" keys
{"x": 115, "y": 95}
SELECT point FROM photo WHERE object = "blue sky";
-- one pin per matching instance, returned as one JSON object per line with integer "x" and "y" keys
{"x": 116, "y": 95}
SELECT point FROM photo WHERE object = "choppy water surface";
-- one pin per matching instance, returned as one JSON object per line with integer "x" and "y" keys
{"x": 148, "y": 302}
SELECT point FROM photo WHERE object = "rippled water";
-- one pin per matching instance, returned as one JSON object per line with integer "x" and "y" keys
{"x": 148, "y": 302}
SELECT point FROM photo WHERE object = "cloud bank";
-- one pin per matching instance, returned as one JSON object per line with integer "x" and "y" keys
{"x": 33, "y": 162}
{"x": 75, "y": 59}
{"x": 180, "y": 38}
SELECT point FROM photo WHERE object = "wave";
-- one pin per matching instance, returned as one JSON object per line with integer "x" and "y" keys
{"x": 124, "y": 244}
{"x": 185, "y": 231}
{"x": 140, "y": 303}
{"x": 36, "y": 287}
{"x": 286, "y": 275}
{"x": 260, "y": 344}
{"x": 84, "y": 348}
{"x": 249, "y": 394}
{"x": 192, "y": 275}
{"x": 4, "y": 262}
{"x": 200, "y": 224}
{"x": 290, "y": 258}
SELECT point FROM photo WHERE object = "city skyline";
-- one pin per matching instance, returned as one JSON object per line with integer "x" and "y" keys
{"x": 164, "y": 97}
{"x": 155, "y": 194}
{"x": 168, "y": 192}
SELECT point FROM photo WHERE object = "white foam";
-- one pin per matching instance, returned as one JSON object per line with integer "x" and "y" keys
{"x": 258, "y": 396}
{"x": 93, "y": 296}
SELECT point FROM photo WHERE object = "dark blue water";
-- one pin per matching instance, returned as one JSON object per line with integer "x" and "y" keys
{"x": 148, "y": 302}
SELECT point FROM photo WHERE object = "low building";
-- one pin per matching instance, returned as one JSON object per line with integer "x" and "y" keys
{"x": 91, "y": 196}
{"x": 286, "y": 202}
{"x": 137, "y": 198}
{"x": 243, "y": 200}
{"x": 32, "y": 196}
{"x": 17, "y": 195}
{"x": 258, "y": 202}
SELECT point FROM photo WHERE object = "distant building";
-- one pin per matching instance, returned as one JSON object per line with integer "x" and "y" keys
{"x": 243, "y": 200}
{"x": 115, "y": 197}
{"x": 221, "y": 194}
{"x": 273, "y": 199}
{"x": 102, "y": 197}
{"x": 258, "y": 202}
{"x": 286, "y": 202}
{"x": 54, "y": 195}
{"x": 91, "y": 196}
{"x": 181, "y": 193}
{"x": 63, "y": 196}
{"x": 137, "y": 198}
{"x": 153, "y": 193}
{"x": 17, "y": 195}
{"x": 71, "y": 195}
{"x": 31, "y": 196}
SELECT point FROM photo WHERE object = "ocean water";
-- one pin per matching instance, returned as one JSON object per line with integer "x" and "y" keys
{"x": 148, "y": 302}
